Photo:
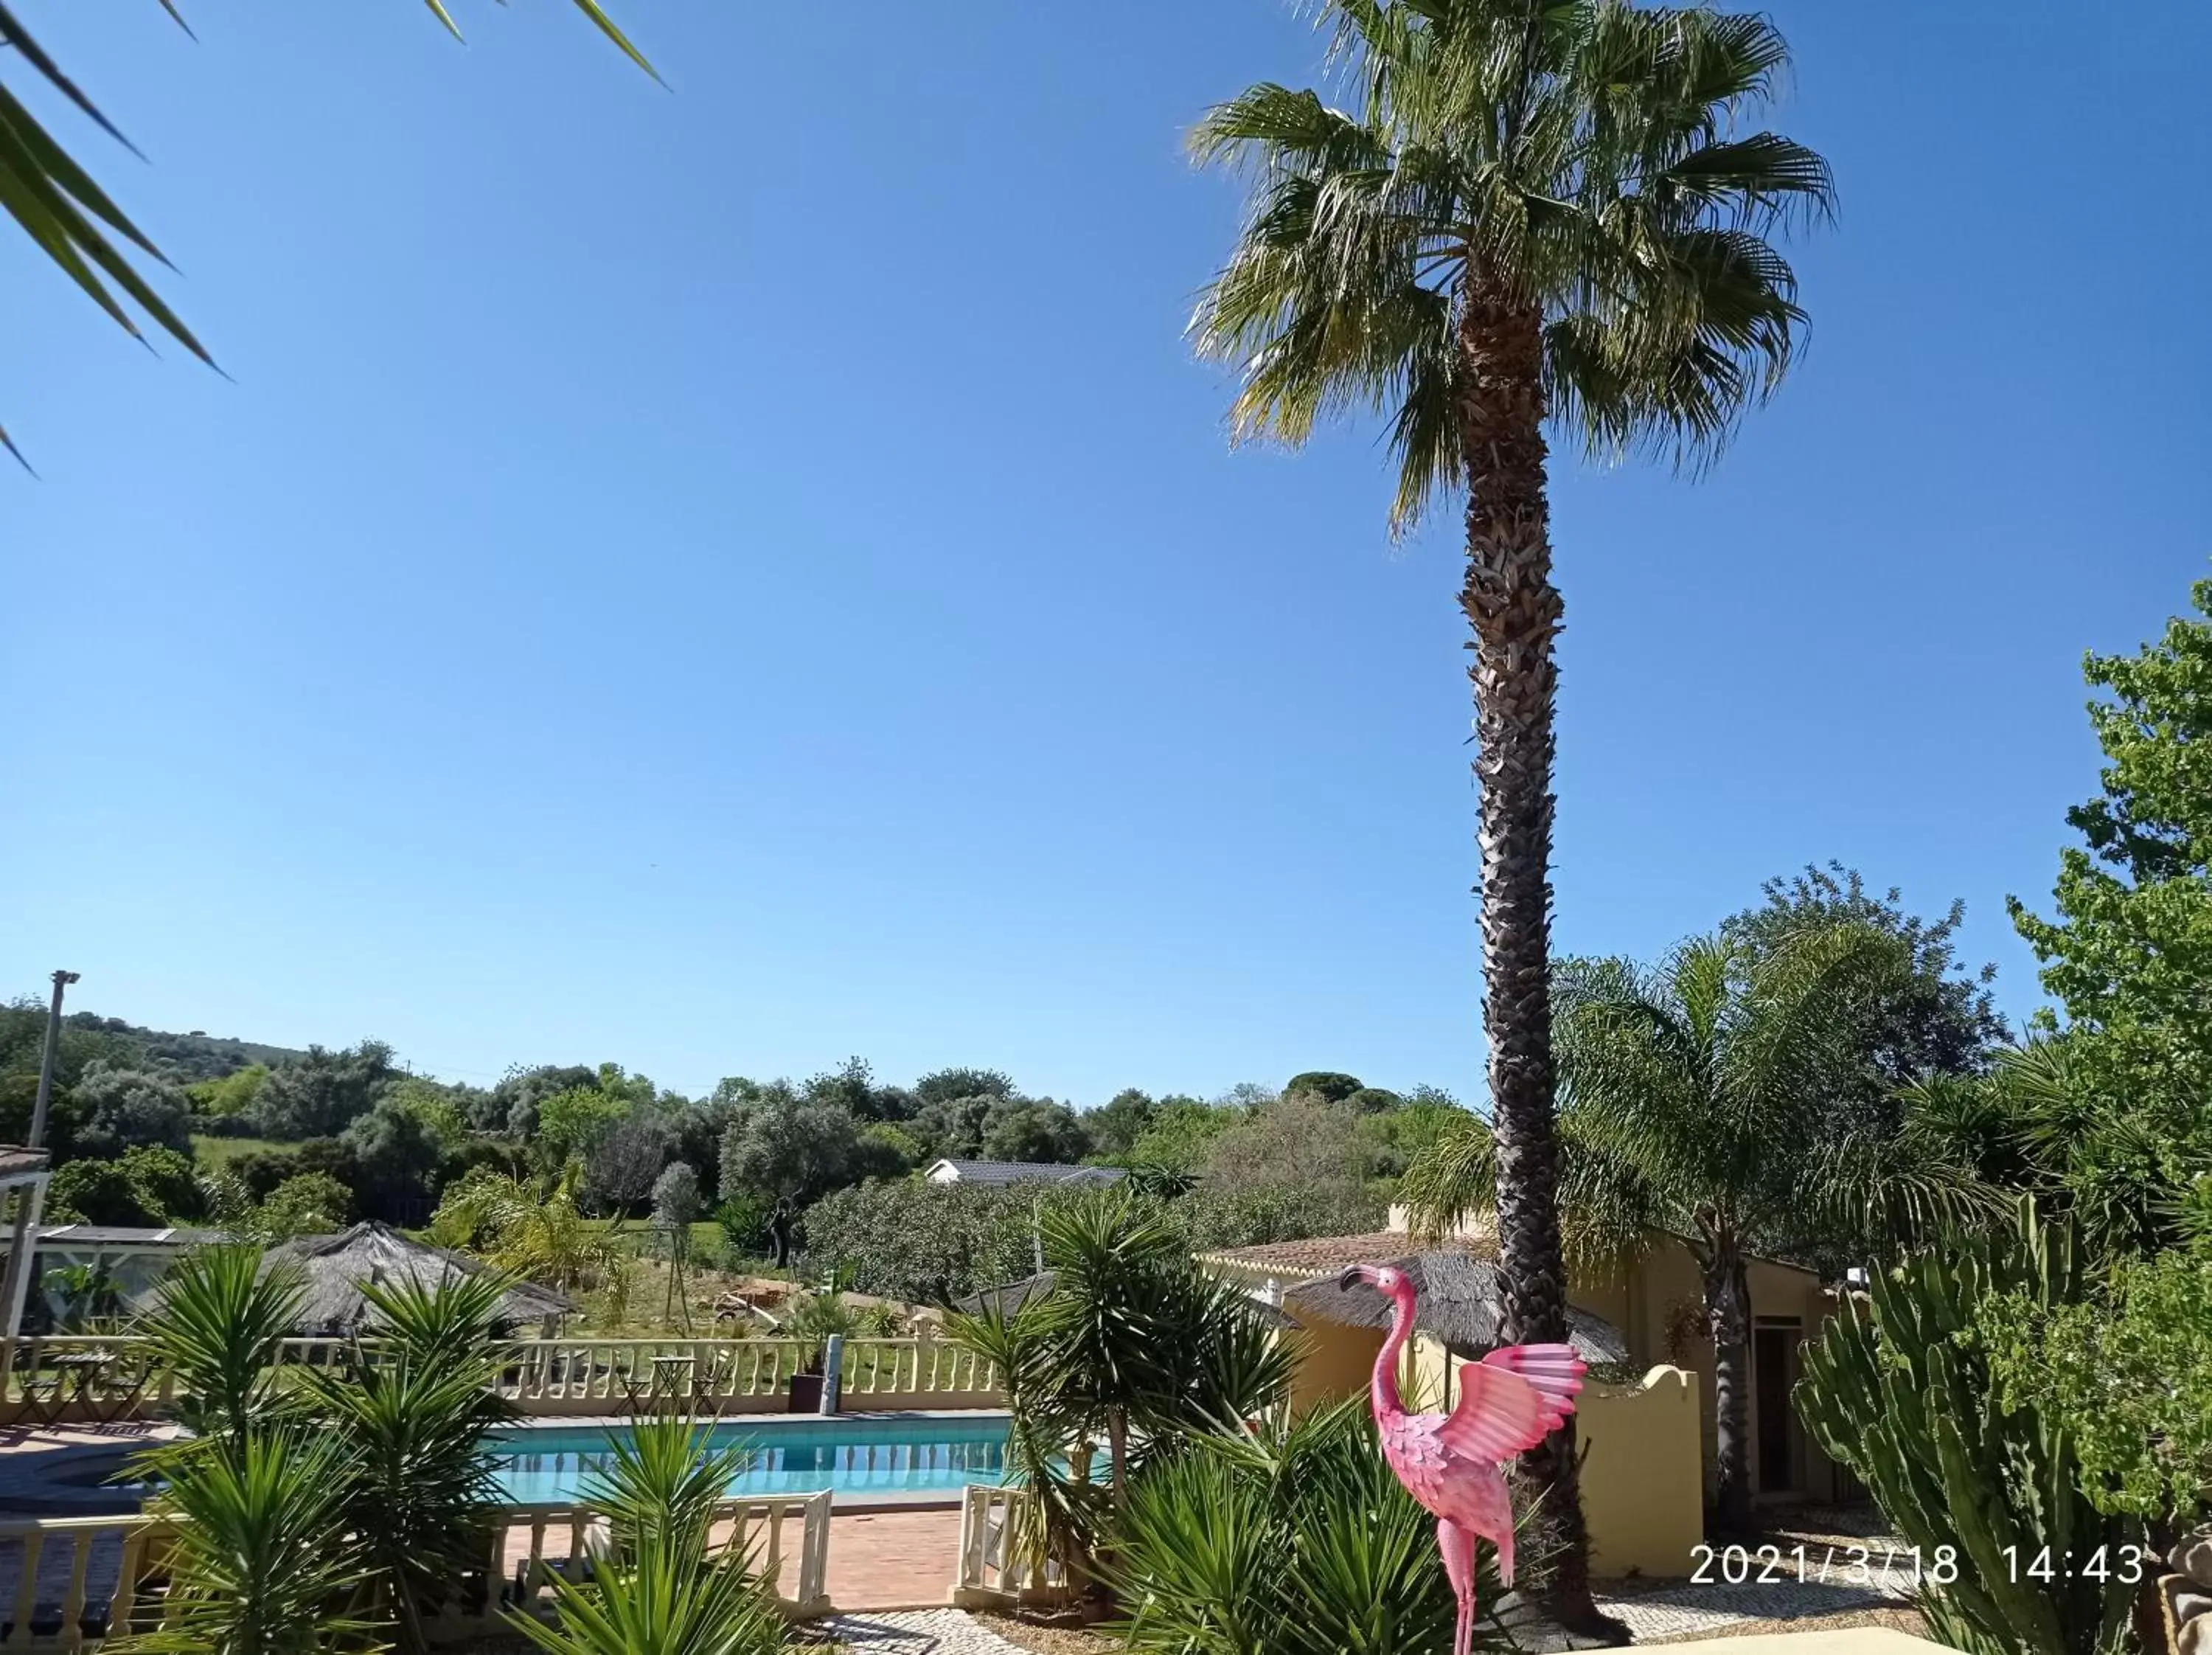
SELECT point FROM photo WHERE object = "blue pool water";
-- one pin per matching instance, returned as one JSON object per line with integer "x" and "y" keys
{"x": 851, "y": 1456}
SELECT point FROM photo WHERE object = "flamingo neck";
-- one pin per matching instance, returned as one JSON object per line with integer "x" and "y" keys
{"x": 1383, "y": 1389}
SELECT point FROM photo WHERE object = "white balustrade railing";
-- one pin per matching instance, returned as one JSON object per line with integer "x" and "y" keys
{"x": 70, "y": 1583}
{"x": 79, "y": 1377}
{"x": 998, "y": 1562}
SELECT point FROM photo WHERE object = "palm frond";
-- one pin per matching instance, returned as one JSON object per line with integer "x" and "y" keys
{"x": 263, "y": 1562}
{"x": 218, "y": 1325}
{"x": 1584, "y": 159}
{"x": 74, "y": 222}
{"x": 662, "y": 1484}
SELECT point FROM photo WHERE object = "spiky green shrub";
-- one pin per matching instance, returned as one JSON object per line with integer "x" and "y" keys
{"x": 218, "y": 1326}
{"x": 662, "y": 1589}
{"x": 262, "y": 1562}
{"x": 1300, "y": 1543}
{"x": 664, "y": 1477}
{"x": 412, "y": 1405}
{"x": 1899, "y": 1389}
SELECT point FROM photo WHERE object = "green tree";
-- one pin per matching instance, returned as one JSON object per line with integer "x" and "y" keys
{"x": 121, "y": 1109}
{"x": 1116, "y": 1124}
{"x": 232, "y": 1095}
{"x": 1525, "y": 218}
{"x": 1181, "y": 1135}
{"x": 788, "y": 1145}
{"x": 396, "y": 1156}
{"x": 512, "y": 1105}
{"x": 942, "y": 1086}
{"x": 2129, "y": 955}
{"x": 1035, "y": 1130}
{"x": 1374, "y": 1100}
{"x": 166, "y": 1181}
{"x": 443, "y": 1110}
{"x": 571, "y": 1124}
{"x": 306, "y": 1204}
{"x": 1325, "y": 1084}
{"x": 619, "y": 1170}
{"x": 1695, "y": 1094}
{"x": 1936, "y": 1017}
{"x": 98, "y": 1192}
{"x": 2127, "y": 1369}
{"x": 324, "y": 1092}
{"x": 1302, "y": 1139}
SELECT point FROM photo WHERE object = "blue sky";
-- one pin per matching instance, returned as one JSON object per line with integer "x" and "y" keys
{"x": 725, "y": 578}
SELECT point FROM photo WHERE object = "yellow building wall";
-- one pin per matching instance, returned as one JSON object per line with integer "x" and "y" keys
{"x": 1660, "y": 1299}
{"x": 1643, "y": 1491}
{"x": 1643, "y": 1486}
{"x": 1333, "y": 1363}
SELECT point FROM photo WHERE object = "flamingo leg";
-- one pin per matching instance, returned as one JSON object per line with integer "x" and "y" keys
{"x": 1457, "y": 1544}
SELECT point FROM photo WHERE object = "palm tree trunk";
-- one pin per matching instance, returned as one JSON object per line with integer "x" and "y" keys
{"x": 1728, "y": 1312}
{"x": 1513, "y": 611}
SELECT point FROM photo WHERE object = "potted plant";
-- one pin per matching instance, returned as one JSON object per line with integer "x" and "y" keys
{"x": 812, "y": 1318}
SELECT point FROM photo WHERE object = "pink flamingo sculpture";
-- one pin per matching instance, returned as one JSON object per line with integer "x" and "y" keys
{"x": 1454, "y": 1464}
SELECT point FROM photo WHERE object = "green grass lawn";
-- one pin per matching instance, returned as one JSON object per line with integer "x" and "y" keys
{"x": 216, "y": 1152}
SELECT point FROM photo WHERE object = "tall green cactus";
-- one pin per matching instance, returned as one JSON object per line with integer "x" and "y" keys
{"x": 1896, "y": 1389}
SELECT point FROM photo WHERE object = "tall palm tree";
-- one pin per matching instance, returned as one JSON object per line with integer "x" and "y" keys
{"x": 1696, "y": 1099}
{"x": 1533, "y": 213}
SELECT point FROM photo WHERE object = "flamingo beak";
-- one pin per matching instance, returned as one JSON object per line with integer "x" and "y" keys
{"x": 1355, "y": 1274}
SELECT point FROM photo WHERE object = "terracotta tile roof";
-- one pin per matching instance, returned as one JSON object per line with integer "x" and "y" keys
{"x": 1323, "y": 1254}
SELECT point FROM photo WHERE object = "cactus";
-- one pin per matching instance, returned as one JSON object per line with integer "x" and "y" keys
{"x": 1896, "y": 1389}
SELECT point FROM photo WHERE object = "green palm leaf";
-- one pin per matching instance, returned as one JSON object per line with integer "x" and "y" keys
{"x": 75, "y": 224}
{"x": 262, "y": 1562}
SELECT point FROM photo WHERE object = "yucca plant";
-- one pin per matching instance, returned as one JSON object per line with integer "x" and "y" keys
{"x": 664, "y": 1480}
{"x": 219, "y": 1325}
{"x": 661, "y": 1589}
{"x": 411, "y": 1407}
{"x": 263, "y": 1561}
{"x": 1301, "y": 1543}
{"x": 1134, "y": 1345}
{"x": 663, "y": 1601}
{"x": 1046, "y": 1427}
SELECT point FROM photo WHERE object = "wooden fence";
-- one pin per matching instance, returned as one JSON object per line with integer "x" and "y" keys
{"x": 84, "y": 1379}
{"x": 69, "y": 1583}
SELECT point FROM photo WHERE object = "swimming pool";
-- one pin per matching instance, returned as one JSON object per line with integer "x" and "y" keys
{"x": 899, "y": 1458}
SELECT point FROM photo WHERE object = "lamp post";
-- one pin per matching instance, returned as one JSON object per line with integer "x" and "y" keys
{"x": 31, "y": 1198}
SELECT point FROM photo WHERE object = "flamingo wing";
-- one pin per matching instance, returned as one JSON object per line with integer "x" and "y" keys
{"x": 1554, "y": 1370}
{"x": 1511, "y": 1399}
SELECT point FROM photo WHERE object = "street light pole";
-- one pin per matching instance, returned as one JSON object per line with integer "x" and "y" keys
{"x": 30, "y": 1198}
{"x": 61, "y": 979}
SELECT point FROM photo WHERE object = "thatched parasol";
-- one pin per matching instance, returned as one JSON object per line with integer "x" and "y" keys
{"x": 333, "y": 1270}
{"x": 1461, "y": 1302}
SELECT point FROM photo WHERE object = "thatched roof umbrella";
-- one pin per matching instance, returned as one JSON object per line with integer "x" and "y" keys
{"x": 333, "y": 1270}
{"x": 1461, "y": 1302}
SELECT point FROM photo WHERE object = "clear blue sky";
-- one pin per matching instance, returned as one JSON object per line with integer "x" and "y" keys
{"x": 722, "y": 579}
